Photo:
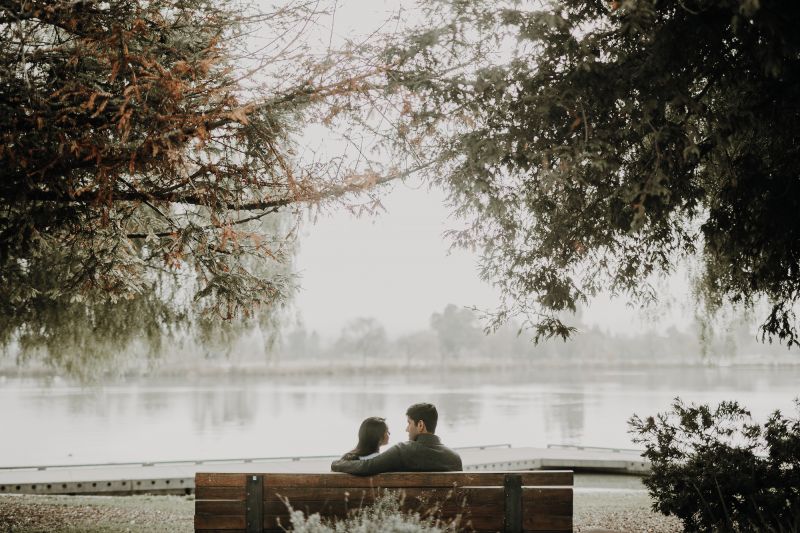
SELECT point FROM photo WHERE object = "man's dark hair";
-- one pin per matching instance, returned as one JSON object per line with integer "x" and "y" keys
{"x": 425, "y": 412}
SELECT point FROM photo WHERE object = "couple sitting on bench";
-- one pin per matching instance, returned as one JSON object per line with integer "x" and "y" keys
{"x": 423, "y": 452}
{"x": 426, "y": 472}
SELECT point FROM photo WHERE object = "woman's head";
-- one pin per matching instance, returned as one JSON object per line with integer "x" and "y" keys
{"x": 372, "y": 434}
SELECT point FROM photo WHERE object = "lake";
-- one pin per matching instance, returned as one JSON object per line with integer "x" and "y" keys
{"x": 53, "y": 422}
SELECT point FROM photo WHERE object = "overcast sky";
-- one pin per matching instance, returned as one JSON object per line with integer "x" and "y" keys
{"x": 395, "y": 266}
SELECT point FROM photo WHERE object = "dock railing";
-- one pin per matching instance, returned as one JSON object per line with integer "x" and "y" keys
{"x": 594, "y": 448}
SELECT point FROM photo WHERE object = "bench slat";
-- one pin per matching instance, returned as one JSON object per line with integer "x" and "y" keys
{"x": 488, "y": 498}
{"x": 203, "y": 522}
{"x": 471, "y": 529}
{"x": 546, "y": 509}
{"x": 395, "y": 480}
{"x": 215, "y": 479}
{"x": 219, "y": 493}
{"x": 220, "y": 507}
{"x": 478, "y": 523}
{"x": 236, "y": 494}
{"x": 356, "y": 495}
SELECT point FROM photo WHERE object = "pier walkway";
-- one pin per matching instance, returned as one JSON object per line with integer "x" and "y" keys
{"x": 177, "y": 477}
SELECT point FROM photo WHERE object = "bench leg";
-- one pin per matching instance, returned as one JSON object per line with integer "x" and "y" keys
{"x": 512, "y": 488}
{"x": 254, "y": 514}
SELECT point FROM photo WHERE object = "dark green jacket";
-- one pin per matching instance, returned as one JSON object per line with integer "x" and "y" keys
{"x": 426, "y": 454}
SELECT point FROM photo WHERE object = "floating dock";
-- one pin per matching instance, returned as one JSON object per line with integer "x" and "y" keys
{"x": 177, "y": 477}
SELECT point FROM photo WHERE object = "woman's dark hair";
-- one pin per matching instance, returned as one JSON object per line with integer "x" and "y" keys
{"x": 370, "y": 435}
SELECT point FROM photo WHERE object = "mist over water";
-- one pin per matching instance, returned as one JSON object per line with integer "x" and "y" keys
{"x": 241, "y": 416}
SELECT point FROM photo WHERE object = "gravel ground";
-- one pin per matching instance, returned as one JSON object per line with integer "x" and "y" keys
{"x": 96, "y": 514}
{"x": 617, "y": 503}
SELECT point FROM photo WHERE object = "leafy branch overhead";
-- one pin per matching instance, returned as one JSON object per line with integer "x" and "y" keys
{"x": 596, "y": 144}
{"x": 146, "y": 152}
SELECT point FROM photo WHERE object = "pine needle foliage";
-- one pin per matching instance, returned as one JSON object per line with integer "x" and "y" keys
{"x": 147, "y": 164}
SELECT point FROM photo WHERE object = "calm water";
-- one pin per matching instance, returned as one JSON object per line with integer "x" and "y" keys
{"x": 226, "y": 417}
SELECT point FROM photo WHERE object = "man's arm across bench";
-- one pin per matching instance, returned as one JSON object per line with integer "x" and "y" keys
{"x": 424, "y": 454}
{"x": 389, "y": 461}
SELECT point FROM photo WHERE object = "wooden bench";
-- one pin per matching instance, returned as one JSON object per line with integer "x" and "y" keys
{"x": 512, "y": 502}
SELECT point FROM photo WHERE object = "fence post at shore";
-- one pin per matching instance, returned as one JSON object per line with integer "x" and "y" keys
{"x": 512, "y": 488}
{"x": 254, "y": 504}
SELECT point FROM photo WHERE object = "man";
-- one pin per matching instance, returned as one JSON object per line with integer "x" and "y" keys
{"x": 423, "y": 452}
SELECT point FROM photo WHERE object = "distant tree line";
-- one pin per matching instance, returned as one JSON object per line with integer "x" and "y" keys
{"x": 456, "y": 333}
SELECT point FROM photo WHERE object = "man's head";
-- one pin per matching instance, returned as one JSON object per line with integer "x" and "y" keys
{"x": 422, "y": 418}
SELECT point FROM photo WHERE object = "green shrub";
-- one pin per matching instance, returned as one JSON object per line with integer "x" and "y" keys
{"x": 386, "y": 515}
{"x": 718, "y": 471}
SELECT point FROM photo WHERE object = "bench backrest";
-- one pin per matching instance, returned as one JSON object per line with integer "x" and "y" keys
{"x": 513, "y": 502}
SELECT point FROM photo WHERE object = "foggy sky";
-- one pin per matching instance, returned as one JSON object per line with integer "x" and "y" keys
{"x": 395, "y": 266}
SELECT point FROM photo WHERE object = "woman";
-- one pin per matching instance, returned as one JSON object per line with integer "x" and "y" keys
{"x": 372, "y": 434}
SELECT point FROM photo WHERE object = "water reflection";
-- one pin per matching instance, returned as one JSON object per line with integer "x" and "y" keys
{"x": 459, "y": 408}
{"x": 214, "y": 409}
{"x": 150, "y": 404}
{"x": 241, "y": 416}
{"x": 565, "y": 415}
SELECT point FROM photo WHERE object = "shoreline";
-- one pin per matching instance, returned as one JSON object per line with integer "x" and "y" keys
{"x": 324, "y": 367}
